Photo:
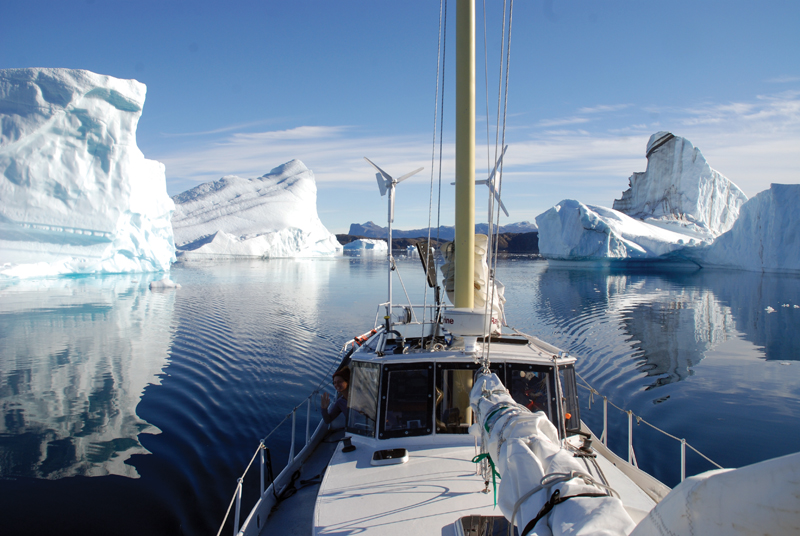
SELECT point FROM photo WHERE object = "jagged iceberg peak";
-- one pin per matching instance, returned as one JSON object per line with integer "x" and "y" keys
{"x": 765, "y": 238}
{"x": 78, "y": 196}
{"x": 679, "y": 204}
{"x": 680, "y": 190}
{"x": 271, "y": 216}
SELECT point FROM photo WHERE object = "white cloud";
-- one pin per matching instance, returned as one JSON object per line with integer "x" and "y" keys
{"x": 783, "y": 80}
{"x": 603, "y": 108}
{"x": 563, "y": 121}
{"x": 754, "y": 143}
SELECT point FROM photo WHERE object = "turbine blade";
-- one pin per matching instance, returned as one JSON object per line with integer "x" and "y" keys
{"x": 497, "y": 164}
{"x": 381, "y": 183}
{"x": 382, "y": 172}
{"x": 407, "y": 175}
{"x": 502, "y": 206}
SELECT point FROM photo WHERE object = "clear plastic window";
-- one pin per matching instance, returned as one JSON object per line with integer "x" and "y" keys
{"x": 407, "y": 400}
{"x": 363, "y": 398}
{"x": 453, "y": 413}
{"x": 532, "y": 387}
{"x": 454, "y": 383}
{"x": 572, "y": 409}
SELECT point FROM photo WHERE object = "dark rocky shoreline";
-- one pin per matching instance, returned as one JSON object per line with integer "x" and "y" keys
{"x": 522, "y": 243}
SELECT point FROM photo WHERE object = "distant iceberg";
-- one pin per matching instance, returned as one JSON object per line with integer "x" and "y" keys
{"x": 367, "y": 244}
{"x": 444, "y": 232}
{"x": 765, "y": 238}
{"x": 267, "y": 217}
{"x": 77, "y": 195}
{"x": 678, "y": 204}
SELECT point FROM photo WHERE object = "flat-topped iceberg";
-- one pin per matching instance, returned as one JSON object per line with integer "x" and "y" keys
{"x": 367, "y": 244}
{"x": 765, "y": 238}
{"x": 78, "y": 196}
{"x": 677, "y": 205}
{"x": 574, "y": 231}
{"x": 270, "y": 216}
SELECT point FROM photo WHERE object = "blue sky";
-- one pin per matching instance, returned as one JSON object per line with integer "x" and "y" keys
{"x": 242, "y": 87}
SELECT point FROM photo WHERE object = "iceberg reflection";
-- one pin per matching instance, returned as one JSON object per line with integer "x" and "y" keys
{"x": 75, "y": 357}
{"x": 669, "y": 320}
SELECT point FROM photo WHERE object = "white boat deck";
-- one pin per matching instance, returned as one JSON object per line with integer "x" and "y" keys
{"x": 426, "y": 495}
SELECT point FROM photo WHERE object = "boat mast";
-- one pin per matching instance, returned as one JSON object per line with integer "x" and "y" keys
{"x": 465, "y": 155}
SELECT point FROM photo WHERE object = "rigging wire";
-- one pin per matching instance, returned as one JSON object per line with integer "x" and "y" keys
{"x": 441, "y": 54}
{"x": 502, "y": 101}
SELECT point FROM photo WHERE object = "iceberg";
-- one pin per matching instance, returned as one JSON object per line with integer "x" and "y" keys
{"x": 574, "y": 231}
{"x": 677, "y": 205}
{"x": 367, "y": 244}
{"x": 680, "y": 190}
{"x": 78, "y": 196}
{"x": 271, "y": 216}
{"x": 765, "y": 238}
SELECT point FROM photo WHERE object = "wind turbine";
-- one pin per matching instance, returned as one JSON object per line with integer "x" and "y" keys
{"x": 492, "y": 188}
{"x": 387, "y": 183}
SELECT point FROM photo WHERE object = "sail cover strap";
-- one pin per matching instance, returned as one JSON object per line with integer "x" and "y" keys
{"x": 555, "y": 499}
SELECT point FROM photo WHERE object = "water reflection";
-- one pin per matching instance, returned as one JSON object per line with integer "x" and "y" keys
{"x": 75, "y": 357}
{"x": 669, "y": 320}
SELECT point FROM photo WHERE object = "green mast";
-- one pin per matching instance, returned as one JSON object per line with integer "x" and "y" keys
{"x": 465, "y": 155}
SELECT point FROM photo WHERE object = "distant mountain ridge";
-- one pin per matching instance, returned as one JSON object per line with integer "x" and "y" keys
{"x": 446, "y": 232}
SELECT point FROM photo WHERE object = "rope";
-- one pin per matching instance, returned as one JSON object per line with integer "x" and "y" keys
{"x": 488, "y": 458}
{"x": 552, "y": 479}
{"x": 554, "y": 500}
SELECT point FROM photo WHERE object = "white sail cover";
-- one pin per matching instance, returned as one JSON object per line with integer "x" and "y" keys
{"x": 763, "y": 498}
{"x": 483, "y": 291}
{"x": 526, "y": 449}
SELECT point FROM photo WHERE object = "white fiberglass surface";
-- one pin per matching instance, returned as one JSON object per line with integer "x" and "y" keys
{"x": 425, "y": 495}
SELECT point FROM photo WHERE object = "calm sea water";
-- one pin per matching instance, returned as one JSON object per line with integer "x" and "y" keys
{"x": 132, "y": 411}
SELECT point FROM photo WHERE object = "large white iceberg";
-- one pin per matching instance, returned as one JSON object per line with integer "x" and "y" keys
{"x": 677, "y": 205}
{"x": 574, "y": 231}
{"x": 271, "y": 216}
{"x": 765, "y": 238}
{"x": 78, "y": 196}
{"x": 679, "y": 190}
